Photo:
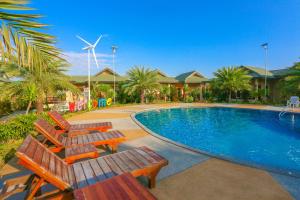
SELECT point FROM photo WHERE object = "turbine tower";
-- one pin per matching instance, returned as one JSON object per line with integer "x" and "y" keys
{"x": 90, "y": 47}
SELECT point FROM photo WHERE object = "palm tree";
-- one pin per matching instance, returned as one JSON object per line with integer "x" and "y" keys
{"x": 165, "y": 91}
{"x": 185, "y": 91}
{"x": 102, "y": 90}
{"x": 231, "y": 79}
{"x": 20, "y": 38}
{"x": 34, "y": 85}
{"x": 293, "y": 80}
{"x": 29, "y": 55}
{"x": 141, "y": 80}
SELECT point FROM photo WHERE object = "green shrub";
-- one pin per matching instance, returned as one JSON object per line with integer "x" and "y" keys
{"x": 189, "y": 99}
{"x": 17, "y": 128}
{"x": 5, "y": 107}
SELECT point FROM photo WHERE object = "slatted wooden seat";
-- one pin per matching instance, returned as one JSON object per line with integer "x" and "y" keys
{"x": 77, "y": 152}
{"x": 113, "y": 139}
{"x": 49, "y": 168}
{"x": 121, "y": 187}
{"x": 65, "y": 125}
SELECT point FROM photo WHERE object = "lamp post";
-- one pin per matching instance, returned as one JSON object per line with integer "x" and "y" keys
{"x": 114, "y": 50}
{"x": 265, "y": 47}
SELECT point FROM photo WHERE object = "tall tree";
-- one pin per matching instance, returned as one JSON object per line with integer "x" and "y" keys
{"x": 28, "y": 53}
{"x": 231, "y": 79}
{"x": 102, "y": 90}
{"x": 21, "y": 36}
{"x": 141, "y": 80}
{"x": 165, "y": 92}
{"x": 293, "y": 79}
{"x": 34, "y": 85}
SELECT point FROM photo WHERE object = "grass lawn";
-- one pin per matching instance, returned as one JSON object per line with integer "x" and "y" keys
{"x": 8, "y": 150}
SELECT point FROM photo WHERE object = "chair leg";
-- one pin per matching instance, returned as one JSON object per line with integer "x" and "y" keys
{"x": 32, "y": 193}
{"x": 114, "y": 147}
{"x": 152, "y": 177}
{"x": 56, "y": 149}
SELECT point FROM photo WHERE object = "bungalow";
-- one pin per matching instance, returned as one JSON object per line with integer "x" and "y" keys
{"x": 194, "y": 79}
{"x": 106, "y": 76}
{"x": 273, "y": 78}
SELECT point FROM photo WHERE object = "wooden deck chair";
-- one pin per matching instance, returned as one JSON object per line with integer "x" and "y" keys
{"x": 65, "y": 125}
{"x": 49, "y": 168}
{"x": 113, "y": 139}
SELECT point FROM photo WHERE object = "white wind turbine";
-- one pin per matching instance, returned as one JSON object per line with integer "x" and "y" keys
{"x": 89, "y": 48}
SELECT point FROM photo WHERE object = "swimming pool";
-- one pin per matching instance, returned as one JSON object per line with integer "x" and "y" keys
{"x": 253, "y": 137}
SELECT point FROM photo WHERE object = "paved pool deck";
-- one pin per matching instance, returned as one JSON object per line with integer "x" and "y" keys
{"x": 189, "y": 175}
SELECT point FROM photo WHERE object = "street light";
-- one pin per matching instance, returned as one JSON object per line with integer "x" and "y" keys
{"x": 265, "y": 47}
{"x": 114, "y": 50}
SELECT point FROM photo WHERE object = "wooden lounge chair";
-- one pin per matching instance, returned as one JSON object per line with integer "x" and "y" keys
{"x": 113, "y": 139}
{"x": 65, "y": 125}
{"x": 49, "y": 168}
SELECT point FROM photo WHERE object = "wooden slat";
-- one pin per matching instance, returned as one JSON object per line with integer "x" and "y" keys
{"x": 71, "y": 177}
{"x": 89, "y": 173}
{"x": 31, "y": 149}
{"x": 24, "y": 145}
{"x": 74, "y": 140}
{"x": 104, "y": 136}
{"x": 139, "y": 191}
{"x": 105, "y": 168}
{"x": 129, "y": 163}
{"x": 65, "y": 173}
{"x": 79, "y": 175}
{"x": 145, "y": 155}
{"x": 58, "y": 167}
{"x": 122, "y": 187}
{"x": 139, "y": 157}
{"x": 97, "y": 170}
{"x": 90, "y": 138}
{"x": 95, "y": 136}
{"x": 80, "y": 140}
{"x": 135, "y": 160}
{"x": 110, "y": 162}
{"x": 85, "y": 140}
{"x": 123, "y": 166}
{"x": 52, "y": 166}
{"x": 46, "y": 159}
{"x": 130, "y": 191}
{"x": 153, "y": 154}
{"x": 39, "y": 154}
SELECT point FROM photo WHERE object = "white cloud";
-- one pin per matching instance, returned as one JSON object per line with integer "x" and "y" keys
{"x": 78, "y": 62}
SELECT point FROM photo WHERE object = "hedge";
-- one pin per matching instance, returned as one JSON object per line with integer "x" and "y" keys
{"x": 19, "y": 127}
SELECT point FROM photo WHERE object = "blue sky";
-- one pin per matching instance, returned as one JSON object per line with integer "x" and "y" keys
{"x": 176, "y": 36}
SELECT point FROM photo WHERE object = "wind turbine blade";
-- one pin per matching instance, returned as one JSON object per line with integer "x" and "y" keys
{"x": 97, "y": 41}
{"x": 80, "y": 38}
{"x": 94, "y": 54}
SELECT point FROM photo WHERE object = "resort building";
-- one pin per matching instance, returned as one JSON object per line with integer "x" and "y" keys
{"x": 273, "y": 79}
{"x": 194, "y": 79}
{"x": 106, "y": 76}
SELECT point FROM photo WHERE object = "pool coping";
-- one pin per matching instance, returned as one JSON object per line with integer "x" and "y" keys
{"x": 271, "y": 170}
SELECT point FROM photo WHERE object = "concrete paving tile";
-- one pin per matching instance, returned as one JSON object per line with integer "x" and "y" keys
{"x": 291, "y": 184}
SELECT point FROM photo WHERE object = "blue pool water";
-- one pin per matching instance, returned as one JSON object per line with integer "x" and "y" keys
{"x": 253, "y": 137}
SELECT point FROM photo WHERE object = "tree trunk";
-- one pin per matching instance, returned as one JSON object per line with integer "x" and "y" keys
{"x": 229, "y": 97}
{"x": 28, "y": 107}
{"x": 142, "y": 96}
{"x": 39, "y": 105}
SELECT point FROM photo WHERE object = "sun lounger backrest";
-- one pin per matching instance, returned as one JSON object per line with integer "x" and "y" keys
{"x": 61, "y": 122}
{"x": 43, "y": 127}
{"x": 36, "y": 157}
